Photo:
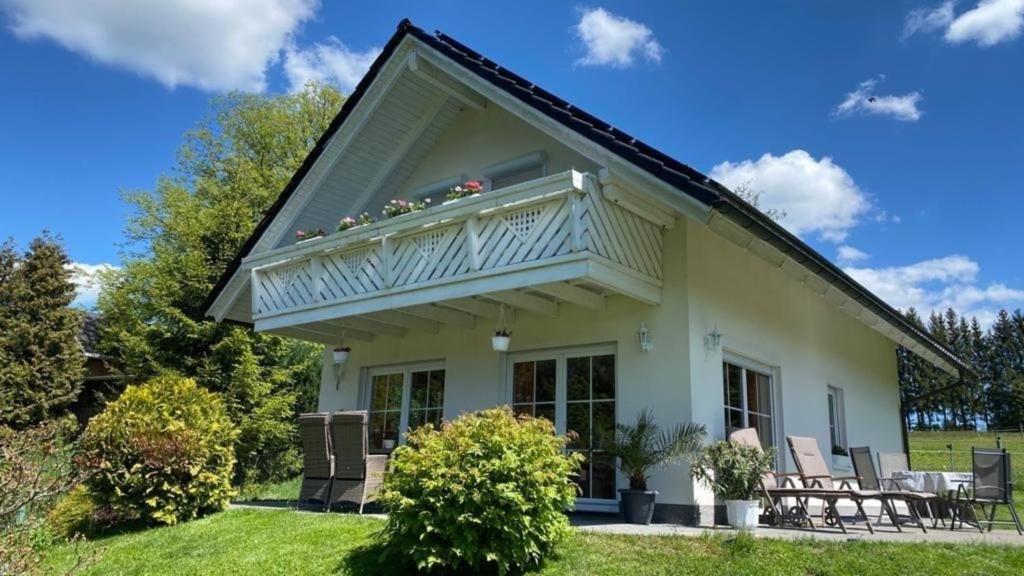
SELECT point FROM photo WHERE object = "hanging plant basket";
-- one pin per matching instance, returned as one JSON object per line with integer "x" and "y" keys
{"x": 341, "y": 354}
{"x": 500, "y": 341}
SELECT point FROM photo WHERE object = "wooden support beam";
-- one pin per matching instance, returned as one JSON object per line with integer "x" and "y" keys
{"x": 404, "y": 320}
{"x": 431, "y": 75}
{"x": 328, "y": 337}
{"x": 573, "y": 294}
{"x": 443, "y": 315}
{"x": 480, "y": 308}
{"x": 367, "y": 325}
{"x": 528, "y": 302}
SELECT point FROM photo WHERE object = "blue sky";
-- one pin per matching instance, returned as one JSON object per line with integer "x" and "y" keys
{"x": 914, "y": 184}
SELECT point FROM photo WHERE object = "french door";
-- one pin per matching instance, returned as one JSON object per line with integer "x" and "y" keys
{"x": 575, "y": 389}
{"x": 402, "y": 398}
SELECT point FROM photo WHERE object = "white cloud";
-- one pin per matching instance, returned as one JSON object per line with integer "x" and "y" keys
{"x": 928, "y": 19}
{"x": 817, "y": 196}
{"x": 863, "y": 100}
{"x": 987, "y": 24}
{"x": 87, "y": 282}
{"x": 215, "y": 45}
{"x": 850, "y": 255}
{"x": 937, "y": 284}
{"x": 615, "y": 41}
{"x": 331, "y": 61}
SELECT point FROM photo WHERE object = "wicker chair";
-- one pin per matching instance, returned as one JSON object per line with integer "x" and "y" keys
{"x": 317, "y": 461}
{"x": 357, "y": 473}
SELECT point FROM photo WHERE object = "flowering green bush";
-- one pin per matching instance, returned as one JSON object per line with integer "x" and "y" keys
{"x": 733, "y": 470}
{"x": 349, "y": 222}
{"x": 164, "y": 452}
{"x": 399, "y": 207}
{"x": 467, "y": 188}
{"x": 487, "y": 491}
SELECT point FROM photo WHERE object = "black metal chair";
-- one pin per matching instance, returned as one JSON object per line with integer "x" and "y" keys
{"x": 992, "y": 485}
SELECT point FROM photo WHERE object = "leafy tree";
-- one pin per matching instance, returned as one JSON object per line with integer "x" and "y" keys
{"x": 182, "y": 235}
{"x": 41, "y": 360}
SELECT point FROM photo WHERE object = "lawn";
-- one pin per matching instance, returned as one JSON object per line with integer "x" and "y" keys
{"x": 247, "y": 542}
{"x": 286, "y": 490}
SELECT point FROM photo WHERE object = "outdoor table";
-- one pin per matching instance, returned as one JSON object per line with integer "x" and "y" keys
{"x": 944, "y": 484}
{"x": 935, "y": 482}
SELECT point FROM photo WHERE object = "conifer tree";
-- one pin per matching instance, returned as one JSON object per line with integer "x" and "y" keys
{"x": 41, "y": 359}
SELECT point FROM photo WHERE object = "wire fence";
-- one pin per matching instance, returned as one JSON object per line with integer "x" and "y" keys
{"x": 951, "y": 451}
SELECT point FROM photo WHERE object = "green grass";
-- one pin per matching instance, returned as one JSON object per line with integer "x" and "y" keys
{"x": 247, "y": 542}
{"x": 287, "y": 490}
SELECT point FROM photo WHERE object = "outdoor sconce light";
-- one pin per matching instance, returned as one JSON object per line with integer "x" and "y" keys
{"x": 645, "y": 338}
{"x": 713, "y": 340}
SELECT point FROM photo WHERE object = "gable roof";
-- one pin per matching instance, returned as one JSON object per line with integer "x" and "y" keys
{"x": 662, "y": 166}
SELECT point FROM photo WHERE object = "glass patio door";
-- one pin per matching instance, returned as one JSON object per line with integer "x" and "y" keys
{"x": 575, "y": 389}
{"x": 403, "y": 398}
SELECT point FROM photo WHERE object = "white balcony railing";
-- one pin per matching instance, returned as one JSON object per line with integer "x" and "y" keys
{"x": 463, "y": 248}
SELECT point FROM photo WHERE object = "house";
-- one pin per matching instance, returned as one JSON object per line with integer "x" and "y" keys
{"x": 103, "y": 375}
{"x": 628, "y": 279}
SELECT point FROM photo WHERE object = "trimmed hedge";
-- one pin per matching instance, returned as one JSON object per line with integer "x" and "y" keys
{"x": 164, "y": 452}
{"x": 486, "y": 492}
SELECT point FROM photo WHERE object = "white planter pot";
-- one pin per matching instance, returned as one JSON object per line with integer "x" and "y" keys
{"x": 389, "y": 444}
{"x": 500, "y": 343}
{"x": 341, "y": 356}
{"x": 742, "y": 514}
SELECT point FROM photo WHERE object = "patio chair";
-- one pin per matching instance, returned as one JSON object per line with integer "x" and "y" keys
{"x": 357, "y": 473}
{"x": 889, "y": 463}
{"x": 867, "y": 479}
{"x": 317, "y": 460}
{"x": 992, "y": 486}
{"x": 814, "y": 473}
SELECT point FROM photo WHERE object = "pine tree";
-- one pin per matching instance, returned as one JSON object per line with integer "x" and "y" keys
{"x": 42, "y": 361}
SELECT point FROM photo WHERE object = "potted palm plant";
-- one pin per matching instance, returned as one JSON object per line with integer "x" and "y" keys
{"x": 642, "y": 446}
{"x": 733, "y": 471}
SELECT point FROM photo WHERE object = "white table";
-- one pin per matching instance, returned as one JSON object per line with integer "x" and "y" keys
{"x": 940, "y": 483}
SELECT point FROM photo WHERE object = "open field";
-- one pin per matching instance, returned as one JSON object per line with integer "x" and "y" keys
{"x": 264, "y": 542}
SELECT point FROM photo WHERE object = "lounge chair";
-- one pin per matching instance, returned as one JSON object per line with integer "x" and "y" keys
{"x": 357, "y": 473}
{"x": 867, "y": 479}
{"x": 775, "y": 487}
{"x": 814, "y": 473}
{"x": 317, "y": 461}
{"x": 992, "y": 486}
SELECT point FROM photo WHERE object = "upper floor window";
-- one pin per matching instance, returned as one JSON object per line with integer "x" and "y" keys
{"x": 515, "y": 171}
{"x": 436, "y": 192}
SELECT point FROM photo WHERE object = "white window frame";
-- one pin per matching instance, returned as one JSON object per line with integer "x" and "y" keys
{"x": 837, "y": 412}
{"x": 774, "y": 393}
{"x": 366, "y": 392}
{"x": 539, "y": 158}
{"x": 560, "y": 356}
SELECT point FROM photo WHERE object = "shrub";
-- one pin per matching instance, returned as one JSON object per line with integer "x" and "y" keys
{"x": 643, "y": 446}
{"x": 73, "y": 514}
{"x": 487, "y": 491}
{"x": 163, "y": 452}
{"x": 733, "y": 470}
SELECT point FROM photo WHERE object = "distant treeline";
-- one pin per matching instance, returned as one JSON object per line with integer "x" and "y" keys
{"x": 992, "y": 398}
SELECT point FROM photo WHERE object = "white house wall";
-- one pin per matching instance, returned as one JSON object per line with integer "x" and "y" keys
{"x": 765, "y": 316}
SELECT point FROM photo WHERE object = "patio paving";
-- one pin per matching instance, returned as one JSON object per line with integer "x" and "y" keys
{"x": 611, "y": 524}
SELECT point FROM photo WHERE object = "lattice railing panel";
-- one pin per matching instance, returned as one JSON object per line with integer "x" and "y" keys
{"x": 352, "y": 272}
{"x": 284, "y": 287}
{"x": 430, "y": 255}
{"x": 622, "y": 236}
{"x": 530, "y": 233}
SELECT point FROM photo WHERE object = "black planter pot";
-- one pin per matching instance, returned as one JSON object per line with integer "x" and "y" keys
{"x": 637, "y": 506}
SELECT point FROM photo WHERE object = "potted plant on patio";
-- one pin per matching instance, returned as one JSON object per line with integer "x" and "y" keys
{"x": 642, "y": 446}
{"x": 733, "y": 471}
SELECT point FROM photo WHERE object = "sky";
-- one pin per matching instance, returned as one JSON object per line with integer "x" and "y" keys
{"x": 890, "y": 134}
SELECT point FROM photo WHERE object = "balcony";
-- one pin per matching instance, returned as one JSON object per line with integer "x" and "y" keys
{"x": 532, "y": 247}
